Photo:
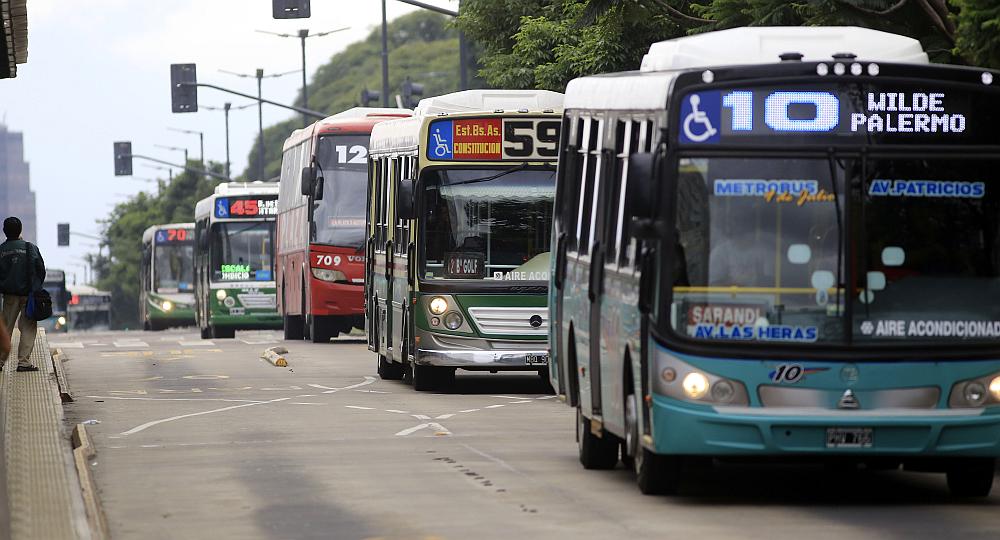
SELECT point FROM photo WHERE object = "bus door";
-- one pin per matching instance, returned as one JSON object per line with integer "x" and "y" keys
{"x": 564, "y": 225}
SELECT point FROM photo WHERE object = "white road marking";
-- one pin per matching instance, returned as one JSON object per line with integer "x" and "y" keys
{"x": 469, "y": 410}
{"x": 443, "y": 417}
{"x": 507, "y": 397}
{"x": 67, "y": 345}
{"x": 257, "y": 341}
{"x": 397, "y": 411}
{"x": 494, "y": 459}
{"x": 546, "y": 397}
{"x": 148, "y": 425}
{"x": 199, "y": 343}
{"x": 321, "y": 387}
{"x": 131, "y": 344}
{"x": 440, "y": 430}
{"x": 421, "y": 416}
{"x": 180, "y": 399}
{"x": 306, "y": 395}
{"x": 205, "y": 377}
{"x": 493, "y": 406}
{"x": 304, "y": 403}
{"x": 413, "y": 429}
{"x": 368, "y": 380}
{"x": 360, "y": 408}
{"x": 522, "y": 401}
{"x": 373, "y": 391}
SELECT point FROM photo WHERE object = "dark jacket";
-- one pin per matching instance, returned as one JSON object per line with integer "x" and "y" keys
{"x": 16, "y": 276}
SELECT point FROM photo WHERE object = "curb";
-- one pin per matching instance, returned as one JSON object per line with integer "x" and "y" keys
{"x": 274, "y": 356}
{"x": 83, "y": 452}
{"x": 58, "y": 357}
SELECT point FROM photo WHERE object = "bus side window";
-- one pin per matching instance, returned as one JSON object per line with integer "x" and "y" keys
{"x": 568, "y": 188}
{"x": 588, "y": 145}
{"x": 614, "y": 181}
{"x": 398, "y": 245}
{"x": 377, "y": 202}
{"x": 630, "y": 141}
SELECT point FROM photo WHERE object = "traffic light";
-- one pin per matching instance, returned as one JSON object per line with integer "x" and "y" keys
{"x": 62, "y": 234}
{"x": 411, "y": 93}
{"x": 368, "y": 96}
{"x": 290, "y": 9}
{"x": 183, "y": 88}
{"x": 123, "y": 158}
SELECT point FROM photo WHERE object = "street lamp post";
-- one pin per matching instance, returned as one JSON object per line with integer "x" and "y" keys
{"x": 302, "y": 35}
{"x": 225, "y": 109}
{"x": 201, "y": 142}
{"x": 175, "y": 149}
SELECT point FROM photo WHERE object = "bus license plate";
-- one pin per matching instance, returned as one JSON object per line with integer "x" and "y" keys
{"x": 237, "y": 311}
{"x": 849, "y": 437}
{"x": 537, "y": 359}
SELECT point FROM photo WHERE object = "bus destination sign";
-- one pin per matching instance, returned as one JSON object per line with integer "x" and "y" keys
{"x": 493, "y": 139}
{"x": 828, "y": 114}
{"x": 174, "y": 236}
{"x": 246, "y": 207}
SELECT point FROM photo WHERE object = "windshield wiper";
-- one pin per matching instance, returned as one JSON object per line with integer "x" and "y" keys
{"x": 520, "y": 167}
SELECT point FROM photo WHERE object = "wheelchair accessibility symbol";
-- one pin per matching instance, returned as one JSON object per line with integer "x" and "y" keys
{"x": 700, "y": 115}
{"x": 441, "y": 140}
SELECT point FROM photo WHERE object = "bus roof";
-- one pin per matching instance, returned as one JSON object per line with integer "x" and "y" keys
{"x": 403, "y": 134}
{"x": 147, "y": 235}
{"x": 355, "y": 119}
{"x": 764, "y": 45}
{"x": 649, "y": 88}
{"x": 231, "y": 189}
{"x": 54, "y": 274}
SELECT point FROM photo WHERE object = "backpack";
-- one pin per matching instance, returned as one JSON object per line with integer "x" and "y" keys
{"x": 39, "y": 305}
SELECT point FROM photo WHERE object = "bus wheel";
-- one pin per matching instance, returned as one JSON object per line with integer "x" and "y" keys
{"x": 206, "y": 333}
{"x": 423, "y": 377}
{"x": 293, "y": 327}
{"x": 543, "y": 376}
{"x": 388, "y": 370}
{"x": 223, "y": 333}
{"x": 654, "y": 474}
{"x": 971, "y": 477}
{"x": 595, "y": 452}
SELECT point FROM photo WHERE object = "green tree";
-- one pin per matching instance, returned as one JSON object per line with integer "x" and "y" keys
{"x": 422, "y": 45}
{"x": 119, "y": 268}
{"x": 978, "y": 32}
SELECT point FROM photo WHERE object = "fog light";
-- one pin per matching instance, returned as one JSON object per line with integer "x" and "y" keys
{"x": 669, "y": 375}
{"x": 723, "y": 391}
{"x": 438, "y": 305}
{"x": 453, "y": 320}
{"x": 168, "y": 305}
{"x": 695, "y": 385}
{"x": 435, "y": 321}
{"x": 221, "y": 294}
{"x": 229, "y": 302}
{"x": 975, "y": 393}
{"x": 62, "y": 322}
{"x": 995, "y": 388}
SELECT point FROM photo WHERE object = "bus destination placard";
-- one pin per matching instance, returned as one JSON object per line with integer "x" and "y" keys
{"x": 246, "y": 207}
{"x": 493, "y": 139}
{"x": 174, "y": 236}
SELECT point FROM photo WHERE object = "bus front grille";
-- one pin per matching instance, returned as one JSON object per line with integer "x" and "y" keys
{"x": 511, "y": 320}
{"x": 258, "y": 301}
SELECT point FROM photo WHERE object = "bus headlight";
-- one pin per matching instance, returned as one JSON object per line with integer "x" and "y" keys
{"x": 438, "y": 305}
{"x": 324, "y": 274}
{"x": 168, "y": 305}
{"x": 453, "y": 320}
{"x": 680, "y": 380}
{"x": 221, "y": 294}
{"x": 974, "y": 393}
{"x": 61, "y": 320}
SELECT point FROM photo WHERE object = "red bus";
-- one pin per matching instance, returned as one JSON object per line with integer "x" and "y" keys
{"x": 321, "y": 224}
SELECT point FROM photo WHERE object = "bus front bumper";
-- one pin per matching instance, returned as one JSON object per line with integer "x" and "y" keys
{"x": 680, "y": 428}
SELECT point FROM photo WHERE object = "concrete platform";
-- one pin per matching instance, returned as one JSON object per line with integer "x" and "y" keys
{"x": 42, "y": 486}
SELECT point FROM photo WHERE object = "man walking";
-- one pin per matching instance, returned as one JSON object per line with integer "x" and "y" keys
{"x": 21, "y": 271}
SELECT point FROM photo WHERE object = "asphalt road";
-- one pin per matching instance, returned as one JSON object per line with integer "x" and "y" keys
{"x": 202, "y": 439}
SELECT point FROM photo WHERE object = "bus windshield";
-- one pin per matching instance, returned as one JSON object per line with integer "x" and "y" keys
{"x": 759, "y": 240}
{"x": 55, "y": 285}
{"x": 488, "y": 223}
{"x": 173, "y": 269}
{"x": 242, "y": 251}
{"x": 340, "y": 214}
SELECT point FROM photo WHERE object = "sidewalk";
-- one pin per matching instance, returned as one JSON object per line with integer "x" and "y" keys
{"x": 42, "y": 486}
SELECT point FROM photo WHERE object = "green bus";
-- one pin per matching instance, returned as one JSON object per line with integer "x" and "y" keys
{"x": 234, "y": 259}
{"x": 167, "y": 275}
{"x": 458, "y": 230}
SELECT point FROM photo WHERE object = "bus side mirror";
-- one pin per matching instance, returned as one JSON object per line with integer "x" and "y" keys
{"x": 404, "y": 199}
{"x": 308, "y": 180}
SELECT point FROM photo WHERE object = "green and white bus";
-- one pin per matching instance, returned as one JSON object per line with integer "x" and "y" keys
{"x": 460, "y": 207}
{"x": 234, "y": 259}
{"x": 167, "y": 276}
{"x": 782, "y": 243}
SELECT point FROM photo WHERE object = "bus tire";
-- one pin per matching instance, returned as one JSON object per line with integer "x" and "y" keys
{"x": 971, "y": 477}
{"x": 444, "y": 379}
{"x": 423, "y": 377}
{"x": 543, "y": 376}
{"x": 596, "y": 453}
{"x": 223, "y": 333}
{"x": 293, "y": 327}
{"x": 206, "y": 333}
{"x": 389, "y": 371}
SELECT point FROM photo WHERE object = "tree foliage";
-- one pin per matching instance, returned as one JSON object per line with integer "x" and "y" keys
{"x": 118, "y": 269}
{"x": 546, "y": 43}
{"x": 422, "y": 46}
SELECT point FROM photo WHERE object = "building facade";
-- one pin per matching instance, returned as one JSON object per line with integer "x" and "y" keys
{"x": 16, "y": 197}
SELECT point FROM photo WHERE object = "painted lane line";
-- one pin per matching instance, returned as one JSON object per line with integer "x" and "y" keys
{"x": 131, "y": 343}
{"x": 421, "y": 416}
{"x": 148, "y": 425}
{"x": 441, "y": 430}
{"x": 546, "y": 397}
{"x": 321, "y": 387}
{"x": 494, "y": 459}
{"x": 373, "y": 391}
{"x": 199, "y": 343}
{"x": 67, "y": 345}
{"x": 506, "y": 397}
{"x": 443, "y": 417}
{"x": 522, "y": 401}
{"x": 368, "y": 380}
{"x": 469, "y": 410}
{"x": 493, "y": 406}
{"x": 181, "y": 399}
{"x": 360, "y": 408}
{"x": 304, "y": 403}
{"x": 307, "y": 395}
{"x": 397, "y": 411}
{"x": 413, "y": 429}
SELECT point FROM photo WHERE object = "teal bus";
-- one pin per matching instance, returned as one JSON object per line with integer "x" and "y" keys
{"x": 167, "y": 276}
{"x": 781, "y": 243}
{"x": 234, "y": 259}
{"x": 458, "y": 229}
{"x": 55, "y": 284}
